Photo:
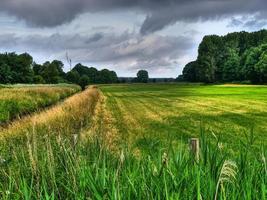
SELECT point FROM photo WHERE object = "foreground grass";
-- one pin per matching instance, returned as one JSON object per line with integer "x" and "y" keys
{"x": 75, "y": 151}
{"x": 16, "y": 100}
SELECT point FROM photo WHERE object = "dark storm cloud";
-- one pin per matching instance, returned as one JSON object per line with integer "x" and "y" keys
{"x": 127, "y": 49}
{"x": 160, "y": 13}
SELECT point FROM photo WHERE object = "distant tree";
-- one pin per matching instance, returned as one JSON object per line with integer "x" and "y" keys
{"x": 261, "y": 67}
{"x": 142, "y": 76}
{"x": 5, "y": 74}
{"x": 84, "y": 81}
{"x": 73, "y": 76}
{"x": 251, "y": 58}
{"x": 231, "y": 66}
{"x": 105, "y": 76}
{"x": 91, "y": 72}
{"x": 189, "y": 72}
{"x": 114, "y": 77}
{"x": 37, "y": 69}
{"x": 59, "y": 65}
{"x": 234, "y": 57}
{"x": 180, "y": 78}
{"x": 53, "y": 72}
{"x": 50, "y": 73}
{"x": 21, "y": 67}
{"x": 37, "y": 79}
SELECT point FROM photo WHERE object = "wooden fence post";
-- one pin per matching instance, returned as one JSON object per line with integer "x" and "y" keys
{"x": 194, "y": 147}
{"x": 75, "y": 138}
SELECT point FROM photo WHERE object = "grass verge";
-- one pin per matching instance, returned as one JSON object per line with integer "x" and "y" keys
{"x": 17, "y": 100}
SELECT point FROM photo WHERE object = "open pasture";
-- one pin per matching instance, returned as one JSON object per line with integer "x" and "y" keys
{"x": 16, "y": 100}
{"x": 173, "y": 111}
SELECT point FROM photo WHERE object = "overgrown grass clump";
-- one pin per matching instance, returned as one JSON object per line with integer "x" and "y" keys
{"x": 17, "y": 100}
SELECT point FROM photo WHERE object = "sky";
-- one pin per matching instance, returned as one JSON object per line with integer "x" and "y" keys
{"x": 160, "y": 36}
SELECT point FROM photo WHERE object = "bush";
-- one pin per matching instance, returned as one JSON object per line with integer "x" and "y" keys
{"x": 38, "y": 79}
{"x": 84, "y": 81}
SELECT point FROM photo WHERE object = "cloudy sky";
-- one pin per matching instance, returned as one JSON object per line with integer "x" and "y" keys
{"x": 160, "y": 36}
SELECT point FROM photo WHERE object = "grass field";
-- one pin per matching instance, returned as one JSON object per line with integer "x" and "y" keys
{"x": 16, "y": 100}
{"x": 174, "y": 112}
{"x": 130, "y": 142}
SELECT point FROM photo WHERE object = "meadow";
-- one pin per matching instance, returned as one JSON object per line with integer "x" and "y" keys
{"x": 17, "y": 100}
{"x": 131, "y": 142}
{"x": 173, "y": 112}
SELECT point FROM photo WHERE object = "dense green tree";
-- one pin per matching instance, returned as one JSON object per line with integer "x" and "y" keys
{"x": 261, "y": 67}
{"x": 37, "y": 69}
{"x": 19, "y": 66}
{"x": 59, "y": 65}
{"x": 73, "y": 76}
{"x": 189, "y": 72}
{"x": 142, "y": 76}
{"x": 231, "y": 66}
{"x": 50, "y": 73}
{"x": 105, "y": 76}
{"x": 251, "y": 58}
{"x": 53, "y": 72}
{"x": 234, "y": 57}
{"x": 38, "y": 79}
{"x": 91, "y": 72}
{"x": 84, "y": 81}
{"x": 5, "y": 74}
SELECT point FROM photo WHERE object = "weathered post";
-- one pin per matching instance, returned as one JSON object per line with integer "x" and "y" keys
{"x": 194, "y": 148}
{"x": 75, "y": 140}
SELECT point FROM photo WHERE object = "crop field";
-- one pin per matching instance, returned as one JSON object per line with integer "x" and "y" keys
{"x": 17, "y": 100}
{"x": 131, "y": 142}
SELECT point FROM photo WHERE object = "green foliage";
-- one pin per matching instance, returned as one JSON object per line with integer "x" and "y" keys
{"x": 104, "y": 76}
{"x": 84, "y": 81}
{"x": 189, "y": 72}
{"x": 21, "y": 69}
{"x": 38, "y": 79}
{"x": 230, "y": 71}
{"x": 5, "y": 74}
{"x": 73, "y": 76}
{"x": 234, "y": 57}
{"x": 16, "y": 68}
{"x": 142, "y": 76}
{"x": 53, "y": 72}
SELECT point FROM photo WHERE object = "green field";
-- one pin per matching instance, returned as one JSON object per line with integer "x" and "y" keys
{"x": 174, "y": 112}
{"x": 131, "y": 142}
{"x": 17, "y": 100}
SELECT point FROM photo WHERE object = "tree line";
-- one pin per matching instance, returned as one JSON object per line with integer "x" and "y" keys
{"x": 239, "y": 56}
{"x": 20, "y": 68}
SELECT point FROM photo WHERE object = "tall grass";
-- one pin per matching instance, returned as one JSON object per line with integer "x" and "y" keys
{"x": 21, "y": 99}
{"x": 42, "y": 158}
{"x": 53, "y": 168}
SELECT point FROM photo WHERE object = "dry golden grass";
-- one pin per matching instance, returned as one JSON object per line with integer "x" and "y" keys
{"x": 22, "y": 93}
{"x": 102, "y": 127}
{"x": 58, "y": 118}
